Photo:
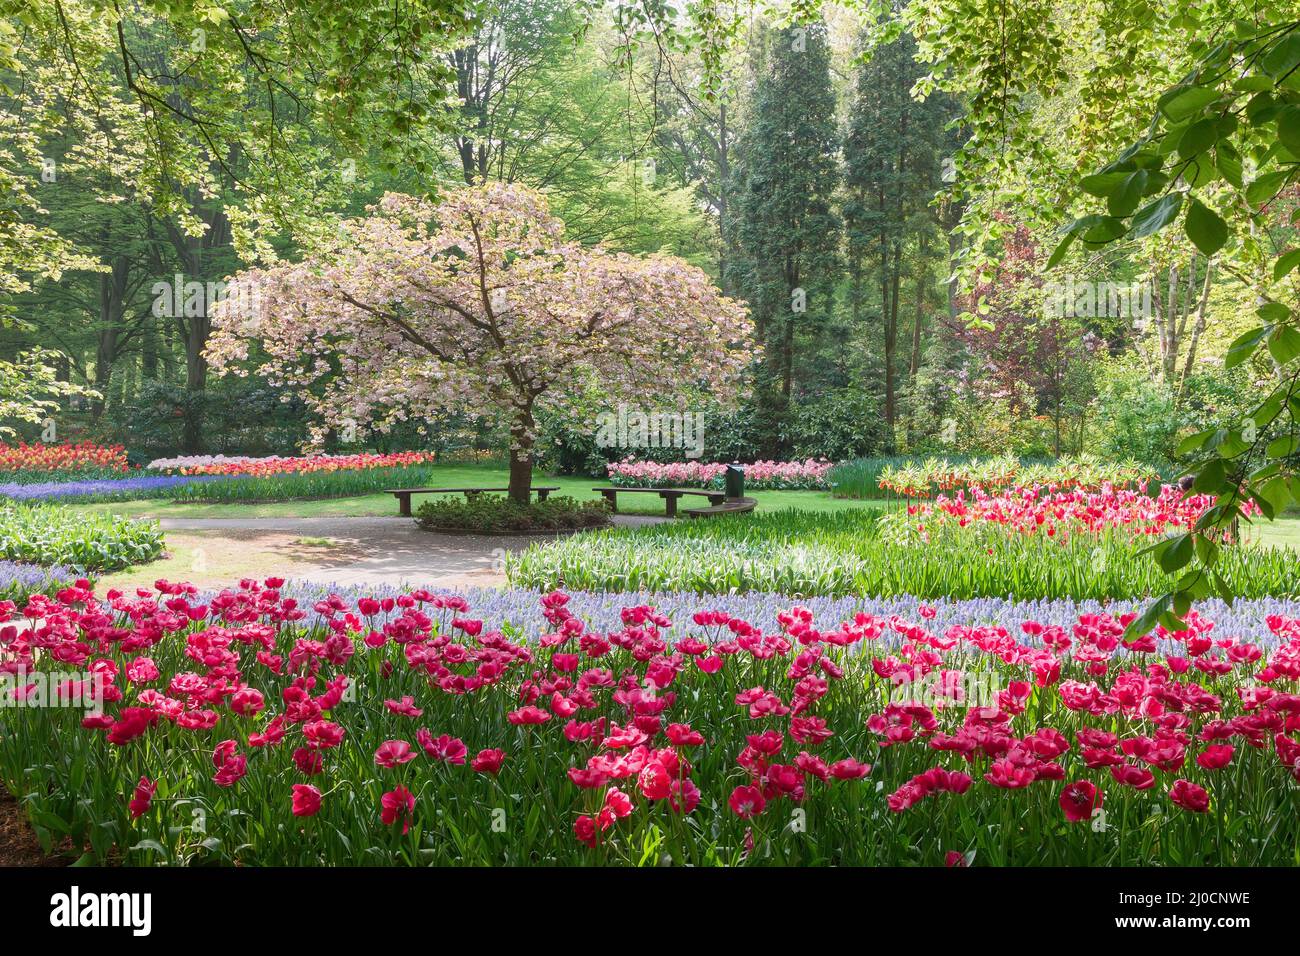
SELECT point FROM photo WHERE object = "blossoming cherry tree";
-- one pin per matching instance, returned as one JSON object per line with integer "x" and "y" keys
{"x": 478, "y": 304}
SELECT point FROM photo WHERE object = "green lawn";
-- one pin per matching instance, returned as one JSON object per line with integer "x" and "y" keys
{"x": 456, "y": 476}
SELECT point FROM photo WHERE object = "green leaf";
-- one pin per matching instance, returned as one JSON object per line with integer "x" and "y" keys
{"x": 1155, "y": 216}
{"x": 1198, "y": 137}
{"x": 1184, "y": 103}
{"x": 1106, "y": 229}
{"x": 1145, "y": 622}
{"x": 1284, "y": 56}
{"x": 1284, "y": 344}
{"x": 1177, "y": 555}
{"x": 1253, "y": 84}
{"x": 1244, "y": 346}
{"x": 1228, "y": 165}
{"x": 1288, "y": 129}
{"x": 1286, "y": 263}
{"x": 1273, "y": 312}
{"x": 1059, "y": 252}
{"x": 1125, "y": 199}
{"x": 1276, "y": 492}
{"x": 1193, "y": 442}
{"x": 1233, "y": 445}
{"x": 1264, "y": 188}
{"x": 1102, "y": 184}
{"x": 1282, "y": 447}
{"x": 1211, "y": 476}
{"x": 1205, "y": 228}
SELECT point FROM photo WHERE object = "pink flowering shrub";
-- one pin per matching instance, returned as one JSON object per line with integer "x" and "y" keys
{"x": 771, "y": 475}
{"x": 403, "y": 730}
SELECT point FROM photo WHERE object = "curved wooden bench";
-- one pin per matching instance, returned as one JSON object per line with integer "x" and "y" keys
{"x": 729, "y": 506}
{"x": 669, "y": 495}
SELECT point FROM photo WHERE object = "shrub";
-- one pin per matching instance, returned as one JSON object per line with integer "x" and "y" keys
{"x": 844, "y": 423}
{"x": 50, "y": 535}
{"x": 496, "y": 514}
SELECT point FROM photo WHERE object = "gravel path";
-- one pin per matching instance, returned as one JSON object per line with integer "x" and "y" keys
{"x": 372, "y": 550}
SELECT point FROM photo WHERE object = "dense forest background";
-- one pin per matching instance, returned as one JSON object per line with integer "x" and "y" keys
{"x": 817, "y": 169}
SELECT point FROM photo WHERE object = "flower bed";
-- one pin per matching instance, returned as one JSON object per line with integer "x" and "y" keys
{"x": 1030, "y": 510}
{"x": 770, "y": 475}
{"x": 23, "y": 463}
{"x": 408, "y": 730}
{"x": 910, "y": 478}
{"x": 231, "y": 488}
{"x": 48, "y": 535}
{"x": 520, "y": 609}
{"x": 17, "y": 581}
{"x": 855, "y": 552}
{"x": 276, "y": 465}
{"x": 106, "y": 489}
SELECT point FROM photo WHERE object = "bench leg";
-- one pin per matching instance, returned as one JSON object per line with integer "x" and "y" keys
{"x": 670, "y": 505}
{"x": 611, "y": 498}
{"x": 404, "y": 506}
{"x": 542, "y": 493}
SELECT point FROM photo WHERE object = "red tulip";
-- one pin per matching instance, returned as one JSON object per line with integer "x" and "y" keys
{"x": 306, "y": 800}
{"x": 1079, "y": 800}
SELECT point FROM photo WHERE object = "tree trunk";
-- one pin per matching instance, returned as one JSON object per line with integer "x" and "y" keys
{"x": 1199, "y": 328}
{"x": 149, "y": 351}
{"x": 922, "y": 283}
{"x": 521, "y": 457}
{"x": 787, "y": 360}
{"x": 194, "y": 330}
{"x": 724, "y": 188}
{"x": 196, "y": 380}
{"x": 112, "y": 306}
{"x": 1169, "y": 328}
{"x": 891, "y": 345}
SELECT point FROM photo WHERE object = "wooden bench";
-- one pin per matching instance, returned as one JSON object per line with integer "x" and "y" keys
{"x": 669, "y": 495}
{"x": 403, "y": 495}
{"x": 729, "y": 506}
